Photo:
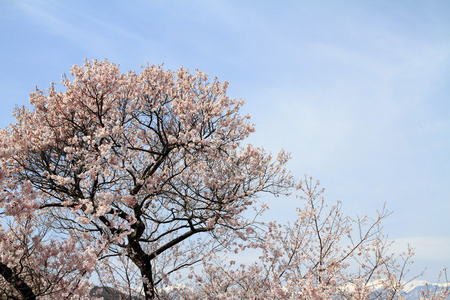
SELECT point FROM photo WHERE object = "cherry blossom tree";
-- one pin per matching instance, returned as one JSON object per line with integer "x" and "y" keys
{"x": 141, "y": 163}
{"x": 324, "y": 254}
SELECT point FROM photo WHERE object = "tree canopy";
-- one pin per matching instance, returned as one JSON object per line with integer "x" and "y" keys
{"x": 138, "y": 162}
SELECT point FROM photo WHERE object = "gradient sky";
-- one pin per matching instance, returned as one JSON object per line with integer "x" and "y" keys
{"x": 357, "y": 91}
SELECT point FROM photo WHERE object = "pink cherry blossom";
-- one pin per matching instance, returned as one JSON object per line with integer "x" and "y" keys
{"x": 143, "y": 161}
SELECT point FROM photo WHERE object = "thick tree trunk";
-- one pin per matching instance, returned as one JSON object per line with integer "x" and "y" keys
{"x": 148, "y": 283}
{"x": 143, "y": 262}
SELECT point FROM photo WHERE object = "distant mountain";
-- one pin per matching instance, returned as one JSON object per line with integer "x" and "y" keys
{"x": 414, "y": 288}
{"x": 412, "y": 291}
{"x": 108, "y": 293}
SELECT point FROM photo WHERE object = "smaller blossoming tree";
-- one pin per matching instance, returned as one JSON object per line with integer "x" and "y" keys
{"x": 322, "y": 255}
{"x": 35, "y": 266}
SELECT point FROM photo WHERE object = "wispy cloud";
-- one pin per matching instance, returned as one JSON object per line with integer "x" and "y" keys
{"x": 97, "y": 36}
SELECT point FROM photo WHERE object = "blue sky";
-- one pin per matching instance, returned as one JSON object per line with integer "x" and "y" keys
{"x": 357, "y": 91}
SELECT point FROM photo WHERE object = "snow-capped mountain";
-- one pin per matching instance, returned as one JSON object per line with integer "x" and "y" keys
{"x": 413, "y": 289}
